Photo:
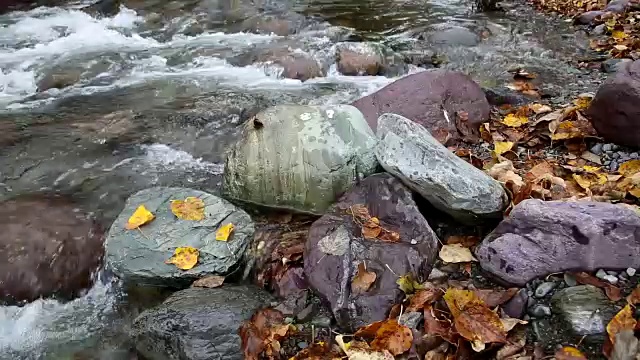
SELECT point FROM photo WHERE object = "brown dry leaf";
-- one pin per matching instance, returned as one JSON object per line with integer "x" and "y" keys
{"x": 360, "y": 212}
{"x": 628, "y": 168}
{"x": 514, "y": 120}
{"x": 540, "y": 108}
{"x": 262, "y": 333}
{"x": 630, "y": 184}
{"x": 456, "y": 253}
{"x": 436, "y": 323}
{"x": 517, "y": 341}
{"x": 191, "y": 208}
{"x": 371, "y": 228}
{"x": 210, "y": 282}
{"x": 464, "y": 240}
{"x": 504, "y": 172}
{"x": 363, "y": 280}
{"x": 583, "y": 101}
{"x": 493, "y": 298}
{"x": 566, "y": 130}
{"x": 509, "y": 323}
{"x": 393, "y": 337}
{"x": 140, "y": 217}
{"x": 421, "y": 298}
{"x": 539, "y": 171}
{"x": 569, "y": 353}
{"x": 317, "y": 351}
{"x": 623, "y": 320}
{"x": 612, "y": 292}
{"x": 634, "y": 297}
{"x": 184, "y": 258}
{"x": 550, "y": 117}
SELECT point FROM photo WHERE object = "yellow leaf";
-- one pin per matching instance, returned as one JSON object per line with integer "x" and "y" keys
{"x": 514, "y": 120}
{"x": 591, "y": 169}
{"x": 623, "y": 320}
{"x": 582, "y": 102}
{"x": 457, "y": 300}
{"x": 629, "y": 168}
{"x": 224, "y": 232}
{"x": 184, "y": 258}
{"x": 500, "y": 147}
{"x": 408, "y": 284}
{"x": 140, "y": 217}
{"x": 191, "y": 208}
{"x": 569, "y": 353}
{"x": 618, "y": 34}
{"x": 456, "y": 253}
{"x": 588, "y": 180}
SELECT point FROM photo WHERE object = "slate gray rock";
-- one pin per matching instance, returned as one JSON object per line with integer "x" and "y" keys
{"x": 335, "y": 247}
{"x": 300, "y": 157}
{"x": 139, "y": 256}
{"x": 543, "y": 237}
{"x": 368, "y": 58}
{"x": 408, "y": 151}
{"x": 198, "y": 323}
{"x": 585, "y": 309}
{"x": 421, "y": 97}
{"x": 615, "y": 110}
{"x": 49, "y": 247}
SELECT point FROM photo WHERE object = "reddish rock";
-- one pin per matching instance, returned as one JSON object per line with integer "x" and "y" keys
{"x": 335, "y": 247}
{"x": 368, "y": 59}
{"x": 615, "y": 110}
{"x": 544, "y": 237}
{"x": 48, "y": 247}
{"x": 421, "y": 97}
{"x": 299, "y": 66}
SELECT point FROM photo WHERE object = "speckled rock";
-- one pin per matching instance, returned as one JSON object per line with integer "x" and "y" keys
{"x": 543, "y": 237}
{"x": 368, "y": 58}
{"x": 300, "y": 157}
{"x": 407, "y": 150}
{"x": 585, "y": 309}
{"x": 198, "y": 323}
{"x": 139, "y": 256}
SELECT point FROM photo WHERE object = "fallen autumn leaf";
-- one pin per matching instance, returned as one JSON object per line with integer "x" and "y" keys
{"x": 140, "y": 217}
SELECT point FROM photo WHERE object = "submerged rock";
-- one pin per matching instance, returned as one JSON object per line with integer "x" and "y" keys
{"x": 48, "y": 247}
{"x": 615, "y": 110}
{"x": 585, "y": 309}
{"x": 367, "y": 58}
{"x": 139, "y": 255}
{"x": 543, "y": 237}
{"x": 408, "y": 151}
{"x": 335, "y": 248}
{"x": 300, "y": 157}
{"x": 198, "y": 323}
{"x": 423, "y": 96}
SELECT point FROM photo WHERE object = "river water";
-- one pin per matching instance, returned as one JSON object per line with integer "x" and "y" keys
{"x": 160, "y": 89}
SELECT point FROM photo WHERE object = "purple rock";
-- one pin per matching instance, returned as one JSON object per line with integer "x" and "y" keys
{"x": 539, "y": 238}
{"x": 587, "y": 17}
{"x": 617, "y": 6}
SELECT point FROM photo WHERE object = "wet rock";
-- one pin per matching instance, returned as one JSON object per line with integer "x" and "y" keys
{"x": 588, "y": 17}
{"x": 570, "y": 280}
{"x": 585, "y": 309}
{"x": 59, "y": 79}
{"x": 335, "y": 248}
{"x": 9, "y": 132}
{"x": 104, "y": 8}
{"x": 299, "y": 67}
{"x": 544, "y": 289}
{"x": 300, "y": 157}
{"x": 597, "y": 149}
{"x": 421, "y": 58}
{"x": 544, "y": 237}
{"x": 281, "y": 24}
{"x": 139, "y": 256}
{"x": 408, "y": 151}
{"x": 617, "y": 6}
{"x": 295, "y": 64}
{"x": 615, "y": 110}
{"x": 48, "y": 248}
{"x": 517, "y": 305}
{"x": 198, "y": 323}
{"x": 503, "y": 96}
{"x": 421, "y": 97}
{"x": 540, "y": 311}
{"x": 454, "y": 35}
{"x": 612, "y": 65}
{"x": 368, "y": 58}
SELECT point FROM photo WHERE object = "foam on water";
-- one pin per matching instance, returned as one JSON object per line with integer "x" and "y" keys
{"x": 167, "y": 158}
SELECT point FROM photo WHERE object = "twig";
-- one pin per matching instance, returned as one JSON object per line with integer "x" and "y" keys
{"x": 387, "y": 265}
{"x": 143, "y": 233}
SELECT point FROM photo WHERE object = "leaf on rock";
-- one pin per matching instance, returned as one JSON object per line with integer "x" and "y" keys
{"x": 408, "y": 284}
{"x": 184, "y": 258}
{"x": 456, "y": 253}
{"x": 371, "y": 228}
{"x": 210, "y": 282}
{"x": 501, "y": 147}
{"x": 623, "y": 320}
{"x": 569, "y": 353}
{"x": 464, "y": 240}
{"x": 628, "y": 168}
{"x": 612, "y": 292}
{"x": 262, "y": 334}
{"x": 438, "y": 323}
{"x": 421, "y": 298}
{"x": 363, "y": 280}
{"x": 140, "y": 217}
{"x": 393, "y": 337}
{"x": 514, "y": 120}
{"x": 457, "y": 300}
{"x": 191, "y": 208}
{"x": 224, "y": 232}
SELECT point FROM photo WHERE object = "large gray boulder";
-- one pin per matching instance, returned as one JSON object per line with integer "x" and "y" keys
{"x": 139, "y": 255}
{"x": 300, "y": 157}
{"x": 543, "y": 237}
{"x": 408, "y": 151}
{"x": 336, "y": 247}
{"x": 198, "y": 323}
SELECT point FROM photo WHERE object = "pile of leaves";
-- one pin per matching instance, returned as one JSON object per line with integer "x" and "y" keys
{"x": 570, "y": 7}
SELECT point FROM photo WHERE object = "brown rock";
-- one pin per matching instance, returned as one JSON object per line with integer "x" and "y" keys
{"x": 59, "y": 80}
{"x": 335, "y": 247}
{"x": 422, "y": 97}
{"x": 47, "y": 248}
{"x": 368, "y": 59}
{"x": 300, "y": 67}
{"x": 615, "y": 110}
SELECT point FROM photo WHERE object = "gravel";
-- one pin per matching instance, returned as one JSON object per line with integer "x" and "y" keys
{"x": 540, "y": 311}
{"x": 631, "y": 271}
{"x": 544, "y": 289}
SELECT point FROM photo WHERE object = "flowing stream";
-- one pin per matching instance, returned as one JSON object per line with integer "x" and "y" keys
{"x": 160, "y": 88}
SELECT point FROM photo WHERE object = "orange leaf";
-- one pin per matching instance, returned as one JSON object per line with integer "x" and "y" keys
{"x": 422, "y": 298}
{"x": 493, "y": 298}
{"x": 634, "y": 297}
{"x": 212, "y": 281}
{"x": 569, "y": 353}
{"x": 191, "y": 208}
{"x": 435, "y": 323}
{"x": 622, "y": 321}
{"x": 363, "y": 280}
{"x": 393, "y": 337}
{"x": 371, "y": 228}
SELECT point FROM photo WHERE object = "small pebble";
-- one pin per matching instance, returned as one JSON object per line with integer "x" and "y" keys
{"x": 614, "y": 147}
{"x": 616, "y": 155}
{"x": 540, "y": 310}
{"x": 634, "y": 155}
{"x": 611, "y": 272}
{"x": 623, "y": 276}
{"x": 607, "y": 147}
{"x": 437, "y": 274}
{"x": 597, "y": 149}
{"x": 570, "y": 280}
{"x": 610, "y": 278}
{"x": 631, "y": 271}
{"x": 544, "y": 289}
{"x": 614, "y": 165}
{"x": 600, "y": 274}
{"x": 607, "y": 162}
{"x": 302, "y": 345}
